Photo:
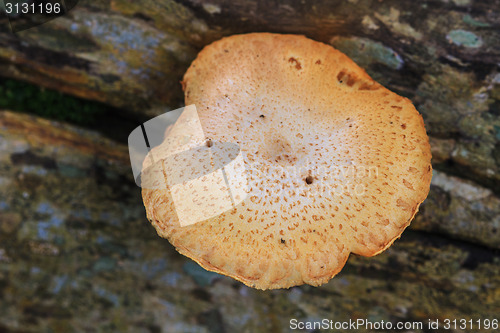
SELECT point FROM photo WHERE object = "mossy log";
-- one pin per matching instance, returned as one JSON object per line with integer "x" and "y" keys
{"x": 77, "y": 254}
{"x": 442, "y": 54}
{"x": 76, "y": 251}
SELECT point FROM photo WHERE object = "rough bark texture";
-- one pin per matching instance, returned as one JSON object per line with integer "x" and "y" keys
{"x": 443, "y": 54}
{"x": 76, "y": 251}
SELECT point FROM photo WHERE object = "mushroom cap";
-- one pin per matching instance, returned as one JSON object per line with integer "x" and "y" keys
{"x": 335, "y": 162}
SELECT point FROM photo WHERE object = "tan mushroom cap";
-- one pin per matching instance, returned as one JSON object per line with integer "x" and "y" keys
{"x": 335, "y": 162}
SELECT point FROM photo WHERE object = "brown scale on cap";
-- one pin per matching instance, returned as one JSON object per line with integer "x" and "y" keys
{"x": 335, "y": 162}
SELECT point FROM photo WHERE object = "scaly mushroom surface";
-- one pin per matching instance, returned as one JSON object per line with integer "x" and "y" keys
{"x": 334, "y": 162}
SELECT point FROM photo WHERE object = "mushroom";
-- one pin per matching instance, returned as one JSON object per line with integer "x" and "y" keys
{"x": 335, "y": 163}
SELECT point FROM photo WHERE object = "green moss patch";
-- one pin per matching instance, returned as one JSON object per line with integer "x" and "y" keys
{"x": 25, "y": 97}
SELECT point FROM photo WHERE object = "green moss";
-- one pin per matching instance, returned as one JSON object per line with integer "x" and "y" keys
{"x": 464, "y": 38}
{"x": 497, "y": 131}
{"x": 201, "y": 276}
{"x": 25, "y": 97}
{"x": 469, "y": 20}
{"x": 365, "y": 52}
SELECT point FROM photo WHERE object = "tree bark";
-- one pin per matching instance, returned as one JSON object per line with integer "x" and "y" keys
{"x": 77, "y": 254}
{"x": 442, "y": 54}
